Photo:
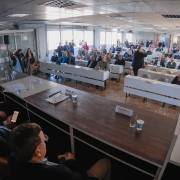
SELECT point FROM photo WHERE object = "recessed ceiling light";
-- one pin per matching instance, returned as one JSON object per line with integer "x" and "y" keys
{"x": 17, "y": 15}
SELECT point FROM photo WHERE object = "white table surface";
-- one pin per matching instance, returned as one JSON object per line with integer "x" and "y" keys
{"x": 34, "y": 89}
{"x": 159, "y": 69}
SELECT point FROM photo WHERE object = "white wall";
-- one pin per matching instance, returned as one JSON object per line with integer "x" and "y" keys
{"x": 144, "y": 36}
{"x": 41, "y": 37}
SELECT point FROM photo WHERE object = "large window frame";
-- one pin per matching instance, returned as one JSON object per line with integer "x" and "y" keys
{"x": 62, "y": 40}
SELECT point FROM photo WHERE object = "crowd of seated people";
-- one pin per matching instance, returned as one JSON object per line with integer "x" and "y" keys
{"x": 22, "y": 63}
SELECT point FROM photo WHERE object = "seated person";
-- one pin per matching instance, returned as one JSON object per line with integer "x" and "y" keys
{"x": 104, "y": 49}
{"x": 158, "y": 49}
{"x": 28, "y": 159}
{"x": 108, "y": 59}
{"x": 87, "y": 56}
{"x": 63, "y": 58}
{"x": 176, "y": 80}
{"x": 171, "y": 64}
{"x": 174, "y": 50}
{"x": 111, "y": 55}
{"x": 129, "y": 56}
{"x": 102, "y": 65}
{"x": 117, "y": 55}
{"x": 176, "y": 56}
{"x": 71, "y": 59}
{"x": 54, "y": 58}
{"x": 120, "y": 60}
{"x": 98, "y": 57}
{"x": 79, "y": 56}
{"x": 118, "y": 48}
{"x": 92, "y": 63}
{"x": 125, "y": 54}
{"x": 112, "y": 49}
{"x": 169, "y": 55}
{"x": 149, "y": 52}
{"x": 92, "y": 53}
{"x": 159, "y": 62}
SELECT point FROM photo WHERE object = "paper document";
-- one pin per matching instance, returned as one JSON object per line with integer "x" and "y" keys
{"x": 57, "y": 98}
{"x": 14, "y": 87}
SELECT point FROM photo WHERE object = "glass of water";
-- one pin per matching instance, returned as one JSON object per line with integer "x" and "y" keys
{"x": 74, "y": 98}
{"x": 133, "y": 120}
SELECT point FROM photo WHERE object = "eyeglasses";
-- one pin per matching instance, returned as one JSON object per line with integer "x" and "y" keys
{"x": 46, "y": 138}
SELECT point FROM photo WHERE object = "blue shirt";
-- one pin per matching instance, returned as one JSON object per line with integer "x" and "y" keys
{"x": 63, "y": 59}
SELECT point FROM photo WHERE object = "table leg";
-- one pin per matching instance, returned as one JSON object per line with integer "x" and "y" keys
{"x": 72, "y": 140}
{"x": 105, "y": 84}
{"x": 163, "y": 105}
{"x": 157, "y": 173}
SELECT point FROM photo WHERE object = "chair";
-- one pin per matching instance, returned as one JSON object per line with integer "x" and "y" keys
{"x": 152, "y": 69}
{"x": 35, "y": 66}
{"x": 147, "y": 76}
{"x": 162, "y": 79}
{"x": 4, "y": 170}
{"x": 166, "y": 72}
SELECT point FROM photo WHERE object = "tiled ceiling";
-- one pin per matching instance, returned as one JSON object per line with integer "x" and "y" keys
{"x": 136, "y": 15}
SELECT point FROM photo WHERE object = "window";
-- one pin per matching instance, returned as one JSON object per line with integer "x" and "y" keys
{"x": 108, "y": 38}
{"x": 66, "y": 35}
{"x": 53, "y": 38}
{"x": 129, "y": 37}
{"x": 119, "y": 37}
{"x": 78, "y": 36}
{"x": 88, "y": 37}
{"x": 102, "y": 37}
{"x": 114, "y": 38}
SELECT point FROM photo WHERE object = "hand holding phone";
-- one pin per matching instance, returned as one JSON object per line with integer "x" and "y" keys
{"x": 14, "y": 117}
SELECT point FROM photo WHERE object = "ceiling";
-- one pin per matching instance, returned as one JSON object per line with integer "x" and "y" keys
{"x": 136, "y": 15}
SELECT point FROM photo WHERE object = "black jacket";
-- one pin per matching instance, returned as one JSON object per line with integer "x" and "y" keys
{"x": 120, "y": 62}
{"x": 71, "y": 60}
{"x": 161, "y": 63}
{"x": 32, "y": 60}
{"x": 5, "y": 149}
{"x": 70, "y": 170}
{"x": 138, "y": 60}
{"x": 99, "y": 59}
{"x": 175, "y": 81}
{"x": 93, "y": 65}
{"x": 13, "y": 60}
{"x": 54, "y": 58}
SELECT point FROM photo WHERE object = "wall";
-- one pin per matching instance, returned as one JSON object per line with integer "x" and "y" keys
{"x": 41, "y": 37}
{"x": 144, "y": 36}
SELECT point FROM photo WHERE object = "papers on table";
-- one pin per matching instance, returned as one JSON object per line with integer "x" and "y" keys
{"x": 57, "y": 98}
{"x": 15, "y": 87}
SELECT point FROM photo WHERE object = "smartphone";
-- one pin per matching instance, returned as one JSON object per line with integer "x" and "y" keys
{"x": 14, "y": 117}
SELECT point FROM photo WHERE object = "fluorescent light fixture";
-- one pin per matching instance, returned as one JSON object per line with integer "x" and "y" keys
{"x": 164, "y": 28}
{"x": 17, "y": 15}
{"x": 157, "y": 25}
{"x": 148, "y": 28}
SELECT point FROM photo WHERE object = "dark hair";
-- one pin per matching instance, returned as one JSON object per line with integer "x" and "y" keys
{"x": 24, "y": 139}
{"x": 30, "y": 50}
{"x": 19, "y": 50}
{"x": 98, "y": 53}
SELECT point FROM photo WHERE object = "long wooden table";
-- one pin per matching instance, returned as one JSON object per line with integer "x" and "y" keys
{"x": 94, "y": 118}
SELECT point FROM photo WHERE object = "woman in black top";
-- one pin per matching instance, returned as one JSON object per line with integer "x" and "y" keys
{"x": 21, "y": 58}
{"x": 176, "y": 80}
{"x": 30, "y": 60}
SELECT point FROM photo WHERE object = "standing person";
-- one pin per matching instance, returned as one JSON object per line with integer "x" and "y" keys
{"x": 85, "y": 48}
{"x": 59, "y": 50}
{"x": 30, "y": 60}
{"x": 16, "y": 63}
{"x": 71, "y": 46}
{"x": 138, "y": 60}
{"x": 66, "y": 47}
{"x": 118, "y": 43}
{"x": 21, "y": 58}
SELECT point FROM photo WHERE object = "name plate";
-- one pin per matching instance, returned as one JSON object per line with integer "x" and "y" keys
{"x": 124, "y": 111}
{"x": 37, "y": 80}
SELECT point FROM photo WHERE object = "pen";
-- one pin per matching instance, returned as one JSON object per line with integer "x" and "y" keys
{"x": 53, "y": 94}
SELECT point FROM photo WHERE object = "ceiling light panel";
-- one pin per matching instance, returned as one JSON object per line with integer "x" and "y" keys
{"x": 59, "y": 4}
{"x": 17, "y": 15}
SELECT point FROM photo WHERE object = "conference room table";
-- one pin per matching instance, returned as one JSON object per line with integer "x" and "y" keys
{"x": 94, "y": 122}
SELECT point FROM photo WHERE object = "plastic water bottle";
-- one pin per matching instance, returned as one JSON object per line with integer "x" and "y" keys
{"x": 13, "y": 77}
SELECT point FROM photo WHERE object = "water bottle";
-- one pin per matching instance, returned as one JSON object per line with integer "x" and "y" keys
{"x": 13, "y": 77}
